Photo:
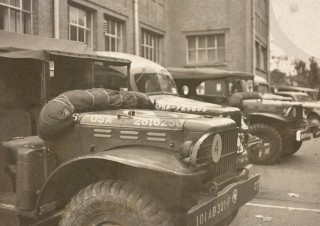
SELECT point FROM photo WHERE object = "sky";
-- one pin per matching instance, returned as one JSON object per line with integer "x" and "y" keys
{"x": 295, "y": 31}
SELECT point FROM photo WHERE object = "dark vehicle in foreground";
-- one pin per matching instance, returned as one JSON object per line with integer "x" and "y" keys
{"x": 280, "y": 124}
{"x": 119, "y": 166}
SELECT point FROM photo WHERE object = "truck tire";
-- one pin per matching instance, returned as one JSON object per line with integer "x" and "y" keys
{"x": 270, "y": 135}
{"x": 114, "y": 202}
{"x": 290, "y": 145}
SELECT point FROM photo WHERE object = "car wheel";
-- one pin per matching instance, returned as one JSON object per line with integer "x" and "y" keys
{"x": 270, "y": 151}
{"x": 114, "y": 203}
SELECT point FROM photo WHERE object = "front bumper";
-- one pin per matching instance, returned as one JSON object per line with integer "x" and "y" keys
{"x": 209, "y": 211}
{"x": 312, "y": 131}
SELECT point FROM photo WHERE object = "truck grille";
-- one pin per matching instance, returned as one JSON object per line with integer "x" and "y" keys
{"x": 224, "y": 170}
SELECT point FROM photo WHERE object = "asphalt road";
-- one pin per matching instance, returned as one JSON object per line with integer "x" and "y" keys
{"x": 289, "y": 191}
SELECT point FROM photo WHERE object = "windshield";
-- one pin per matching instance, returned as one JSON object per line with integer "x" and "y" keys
{"x": 263, "y": 88}
{"x": 303, "y": 98}
{"x": 153, "y": 83}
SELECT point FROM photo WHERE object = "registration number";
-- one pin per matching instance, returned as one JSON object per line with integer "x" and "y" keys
{"x": 302, "y": 135}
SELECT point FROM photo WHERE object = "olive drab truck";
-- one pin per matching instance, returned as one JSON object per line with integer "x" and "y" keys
{"x": 114, "y": 166}
{"x": 280, "y": 123}
{"x": 154, "y": 80}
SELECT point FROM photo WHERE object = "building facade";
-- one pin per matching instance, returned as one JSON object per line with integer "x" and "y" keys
{"x": 226, "y": 34}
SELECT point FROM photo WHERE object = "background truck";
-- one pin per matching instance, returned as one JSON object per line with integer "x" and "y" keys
{"x": 116, "y": 166}
{"x": 279, "y": 123}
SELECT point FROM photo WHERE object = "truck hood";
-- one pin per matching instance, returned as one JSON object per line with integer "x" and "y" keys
{"x": 158, "y": 120}
{"x": 270, "y": 96}
{"x": 181, "y": 104}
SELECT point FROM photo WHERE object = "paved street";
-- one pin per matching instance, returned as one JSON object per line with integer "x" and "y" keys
{"x": 297, "y": 174}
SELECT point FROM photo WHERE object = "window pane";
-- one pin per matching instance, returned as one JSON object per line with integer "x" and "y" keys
{"x": 15, "y": 3}
{"x": 113, "y": 27}
{"x": 212, "y": 55}
{"x": 211, "y": 42}
{"x": 202, "y": 57}
{"x": 14, "y": 21}
{"x": 221, "y": 40}
{"x": 221, "y": 55}
{"x": 73, "y": 33}
{"x": 81, "y": 35}
{"x": 113, "y": 44}
{"x": 192, "y": 42}
{"x": 201, "y": 42}
{"x": 4, "y": 18}
{"x": 82, "y": 17}
{"x": 192, "y": 56}
{"x": 73, "y": 15}
{"x": 106, "y": 43}
{"x": 26, "y": 5}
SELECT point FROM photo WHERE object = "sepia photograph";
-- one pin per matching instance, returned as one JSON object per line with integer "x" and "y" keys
{"x": 159, "y": 112}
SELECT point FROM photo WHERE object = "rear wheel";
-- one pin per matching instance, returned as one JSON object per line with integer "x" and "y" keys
{"x": 290, "y": 145}
{"x": 270, "y": 150}
{"x": 114, "y": 203}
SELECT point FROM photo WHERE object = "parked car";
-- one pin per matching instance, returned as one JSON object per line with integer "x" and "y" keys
{"x": 115, "y": 166}
{"x": 313, "y": 93}
{"x": 280, "y": 124}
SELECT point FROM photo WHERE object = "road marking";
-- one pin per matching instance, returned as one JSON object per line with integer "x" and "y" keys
{"x": 283, "y": 207}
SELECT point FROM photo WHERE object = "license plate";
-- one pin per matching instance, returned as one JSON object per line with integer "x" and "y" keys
{"x": 302, "y": 135}
{"x": 230, "y": 199}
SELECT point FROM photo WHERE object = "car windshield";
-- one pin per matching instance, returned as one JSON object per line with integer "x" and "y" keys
{"x": 155, "y": 83}
{"x": 263, "y": 88}
{"x": 303, "y": 98}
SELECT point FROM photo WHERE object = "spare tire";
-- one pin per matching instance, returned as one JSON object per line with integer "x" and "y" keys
{"x": 236, "y": 99}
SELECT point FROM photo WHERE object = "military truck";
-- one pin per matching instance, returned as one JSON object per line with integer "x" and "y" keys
{"x": 154, "y": 80}
{"x": 279, "y": 123}
{"x": 120, "y": 166}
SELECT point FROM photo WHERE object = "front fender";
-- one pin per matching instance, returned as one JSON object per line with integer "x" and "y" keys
{"x": 254, "y": 117}
{"x": 72, "y": 176}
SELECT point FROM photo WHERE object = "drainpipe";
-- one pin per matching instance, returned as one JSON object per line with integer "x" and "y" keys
{"x": 253, "y": 38}
{"x": 56, "y": 18}
{"x": 136, "y": 27}
{"x": 268, "y": 43}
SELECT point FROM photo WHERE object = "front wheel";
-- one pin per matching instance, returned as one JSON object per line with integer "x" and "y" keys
{"x": 114, "y": 203}
{"x": 290, "y": 145}
{"x": 270, "y": 150}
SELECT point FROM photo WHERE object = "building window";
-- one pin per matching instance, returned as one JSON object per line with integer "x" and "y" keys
{"x": 15, "y": 16}
{"x": 206, "y": 49}
{"x": 261, "y": 57}
{"x": 80, "y": 25}
{"x": 113, "y": 34}
{"x": 150, "y": 46}
{"x": 261, "y": 27}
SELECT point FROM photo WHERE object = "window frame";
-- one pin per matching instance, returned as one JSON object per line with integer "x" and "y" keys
{"x": 215, "y": 48}
{"x": 88, "y": 37}
{"x": 119, "y": 30}
{"x": 151, "y": 50}
{"x": 21, "y": 26}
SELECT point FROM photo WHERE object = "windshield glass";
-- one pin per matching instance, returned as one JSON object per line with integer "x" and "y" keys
{"x": 152, "y": 83}
{"x": 303, "y": 98}
{"x": 263, "y": 88}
